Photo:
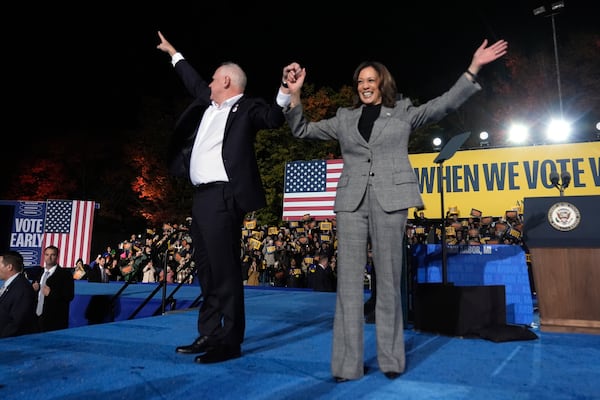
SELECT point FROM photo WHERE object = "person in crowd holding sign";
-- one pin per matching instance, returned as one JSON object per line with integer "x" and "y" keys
{"x": 375, "y": 190}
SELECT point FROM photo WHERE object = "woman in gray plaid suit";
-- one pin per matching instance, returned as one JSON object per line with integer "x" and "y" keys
{"x": 375, "y": 191}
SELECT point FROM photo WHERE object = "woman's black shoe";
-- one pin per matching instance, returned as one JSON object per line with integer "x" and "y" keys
{"x": 391, "y": 374}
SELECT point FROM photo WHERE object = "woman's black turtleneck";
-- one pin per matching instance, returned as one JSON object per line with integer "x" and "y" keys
{"x": 370, "y": 112}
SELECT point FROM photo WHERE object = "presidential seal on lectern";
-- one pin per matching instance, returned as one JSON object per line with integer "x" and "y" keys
{"x": 564, "y": 216}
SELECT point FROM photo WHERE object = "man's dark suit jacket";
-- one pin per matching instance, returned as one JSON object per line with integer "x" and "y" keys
{"x": 247, "y": 116}
{"x": 17, "y": 308}
{"x": 323, "y": 279}
{"x": 56, "y": 305}
{"x": 94, "y": 274}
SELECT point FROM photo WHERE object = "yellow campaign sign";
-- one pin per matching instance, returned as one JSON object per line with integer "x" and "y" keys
{"x": 325, "y": 226}
{"x": 496, "y": 180}
{"x": 255, "y": 244}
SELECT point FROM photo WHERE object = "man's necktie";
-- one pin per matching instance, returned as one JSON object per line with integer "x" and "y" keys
{"x": 40, "y": 304}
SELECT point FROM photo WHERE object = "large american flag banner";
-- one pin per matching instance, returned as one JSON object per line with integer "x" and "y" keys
{"x": 68, "y": 225}
{"x": 310, "y": 188}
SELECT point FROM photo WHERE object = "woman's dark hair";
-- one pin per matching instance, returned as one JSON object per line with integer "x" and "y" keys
{"x": 387, "y": 84}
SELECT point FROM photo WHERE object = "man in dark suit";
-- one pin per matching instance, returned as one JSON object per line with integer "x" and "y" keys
{"x": 97, "y": 271}
{"x": 213, "y": 147}
{"x": 56, "y": 290}
{"x": 17, "y": 297}
{"x": 324, "y": 278}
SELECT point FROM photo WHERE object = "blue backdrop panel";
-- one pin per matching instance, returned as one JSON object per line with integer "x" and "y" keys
{"x": 481, "y": 265}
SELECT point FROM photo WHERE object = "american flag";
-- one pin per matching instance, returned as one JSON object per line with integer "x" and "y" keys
{"x": 310, "y": 188}
{"x": 68, "y": 225}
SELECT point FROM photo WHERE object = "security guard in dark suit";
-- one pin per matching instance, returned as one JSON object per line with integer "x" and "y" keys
{"x": 324, "y": 279}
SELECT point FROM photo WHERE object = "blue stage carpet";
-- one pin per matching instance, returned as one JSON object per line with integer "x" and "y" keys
{"x": 286, "y": 356}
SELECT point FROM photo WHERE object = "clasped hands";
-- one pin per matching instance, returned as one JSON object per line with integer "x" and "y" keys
{"x": 293, "y": 73}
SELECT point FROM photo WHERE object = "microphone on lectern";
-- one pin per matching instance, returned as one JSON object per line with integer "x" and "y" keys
{"x": 565, "y": 178}
{"x": 554, "y": 178}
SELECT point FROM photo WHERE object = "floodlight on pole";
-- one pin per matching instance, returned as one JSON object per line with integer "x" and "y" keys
{"x": 555, "y": 8}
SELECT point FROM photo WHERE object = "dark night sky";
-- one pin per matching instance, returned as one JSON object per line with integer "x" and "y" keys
{"x": 88, "y": 66}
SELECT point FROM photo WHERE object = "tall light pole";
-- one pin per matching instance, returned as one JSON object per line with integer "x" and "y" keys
{"x": 554, "y": 9}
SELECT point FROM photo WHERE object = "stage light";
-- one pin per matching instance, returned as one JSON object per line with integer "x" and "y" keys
{"x": 557, "y": 5}
{"x": 484, "y": 139}
{"x": 558, "y": 130}
{"x": 437, "y": 144}
{"x": 518, "y": 133}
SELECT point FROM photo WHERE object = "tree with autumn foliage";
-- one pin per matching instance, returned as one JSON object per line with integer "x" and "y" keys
{"x": 159, "y": 197}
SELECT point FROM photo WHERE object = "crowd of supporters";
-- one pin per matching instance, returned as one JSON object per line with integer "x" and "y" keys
{"x": 299, "y": 254}
{"x": 474, "y": 230}
{"x": 144, "y": 258}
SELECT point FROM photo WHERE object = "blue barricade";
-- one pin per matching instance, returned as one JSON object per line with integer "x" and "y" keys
{"x": 471, "y": 265}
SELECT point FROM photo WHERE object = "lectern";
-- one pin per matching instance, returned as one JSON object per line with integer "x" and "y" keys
{"x": 562, "y": 234}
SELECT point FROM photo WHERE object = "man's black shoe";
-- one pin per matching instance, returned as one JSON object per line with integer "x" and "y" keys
{"x": 200, "y": 345}
{"x": 218, "y": 354}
